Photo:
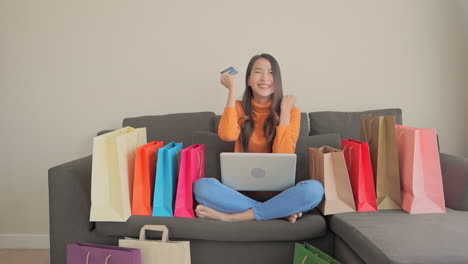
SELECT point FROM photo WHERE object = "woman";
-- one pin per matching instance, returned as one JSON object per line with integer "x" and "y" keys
{"x": 264, "y": 121}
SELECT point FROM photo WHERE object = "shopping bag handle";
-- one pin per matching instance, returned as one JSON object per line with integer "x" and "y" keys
{"x": 401, "y": 134}
{"x": 178, "y": 158}
{"x": 311, "y": 160}
{"x": 89, "y": 253}
{"x": 162, "y": 228}
{"x": 199, "y": 165}
{"x": 370, "y": 126}
{"x": 306, "y": 257}
{"x": 349, "y": 155}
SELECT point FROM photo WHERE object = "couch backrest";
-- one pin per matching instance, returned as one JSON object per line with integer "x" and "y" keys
{"x": 173, "y": 127}
{"x": 326, "y": 128}
{"x": 347, "y": 124}
{"x": 179, "y": 127}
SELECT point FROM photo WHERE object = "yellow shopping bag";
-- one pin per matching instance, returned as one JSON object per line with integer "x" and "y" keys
{"x": 112, "y": 173}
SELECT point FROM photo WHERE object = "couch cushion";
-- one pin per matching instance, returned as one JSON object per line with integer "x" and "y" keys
{"x": 311, "y": 225}
{"x": 304, "y": 128}
{"x": 394, "y": 236}
{"x": 455, "y": 181}
{"x": 213, "y": 147}
{"x": 302, "y": 151}
{"x": 348, "y": 124}
{"x": 173, "y": 127}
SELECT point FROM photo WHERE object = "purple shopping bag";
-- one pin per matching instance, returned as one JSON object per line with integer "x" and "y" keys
{"x": 80, "y": 253}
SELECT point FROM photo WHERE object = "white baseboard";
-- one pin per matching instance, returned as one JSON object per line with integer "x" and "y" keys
{"x": 24, "y": 241}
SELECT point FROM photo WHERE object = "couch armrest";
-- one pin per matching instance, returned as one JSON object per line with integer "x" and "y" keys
{"x": 69, "y": 207}
{"x": 455, "y": 180}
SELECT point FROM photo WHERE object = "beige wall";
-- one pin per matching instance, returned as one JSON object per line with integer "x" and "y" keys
{"x": 462, "y": 7}
{"x": 71, "y": 68}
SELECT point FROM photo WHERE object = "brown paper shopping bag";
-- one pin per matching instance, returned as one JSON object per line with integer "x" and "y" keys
{"x": 380, "y": 133}
{"x": 327, "y": 165}
{"x": 162, "y": 251}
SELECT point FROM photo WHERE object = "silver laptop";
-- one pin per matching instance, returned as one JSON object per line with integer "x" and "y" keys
{"x": 258, "y": 171}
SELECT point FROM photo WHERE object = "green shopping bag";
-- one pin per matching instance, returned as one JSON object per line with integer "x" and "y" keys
{"x": 307, "y": 254}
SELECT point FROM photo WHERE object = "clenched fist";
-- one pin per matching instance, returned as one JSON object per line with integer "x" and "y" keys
{"x": 227, "y": 80}
{"x": 287, "y": 103}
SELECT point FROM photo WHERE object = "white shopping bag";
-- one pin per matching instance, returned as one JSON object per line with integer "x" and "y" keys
{"x": 159, "y": 251}
{"x": 112, "y": 173}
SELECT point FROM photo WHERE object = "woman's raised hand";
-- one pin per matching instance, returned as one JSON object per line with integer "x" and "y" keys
{"x": 287, "y": 103}
{"x": 227, "y": 80}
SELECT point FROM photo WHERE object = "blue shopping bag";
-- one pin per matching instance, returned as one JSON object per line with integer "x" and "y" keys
{"x": 167, "y": 171}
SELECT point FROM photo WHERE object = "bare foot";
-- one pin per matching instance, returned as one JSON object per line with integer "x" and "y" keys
{"x": 206, "y": 212}
{"x": 209, "y": 213}
{"x": 293, "y": 218}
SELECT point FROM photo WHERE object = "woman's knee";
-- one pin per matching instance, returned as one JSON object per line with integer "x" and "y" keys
{"x": 202, "y": 187}
{"x": 312, "y": 191}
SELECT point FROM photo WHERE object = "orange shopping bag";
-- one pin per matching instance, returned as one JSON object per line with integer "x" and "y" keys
{"x": 143, "y": 181}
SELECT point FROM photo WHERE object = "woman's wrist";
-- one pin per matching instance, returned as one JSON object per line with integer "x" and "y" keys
{"x": 285, "y": 118}
{"x": 231, "y": 102}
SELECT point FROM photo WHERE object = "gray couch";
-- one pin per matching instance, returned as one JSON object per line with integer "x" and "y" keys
{"x": 379, "y": 237}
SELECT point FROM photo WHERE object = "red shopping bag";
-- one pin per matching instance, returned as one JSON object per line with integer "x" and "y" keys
{"x": 422, "y": 189}
{"x": 143, "y": 179}
{"x": 192, "y": 168}
{"x": 358, "y": 161}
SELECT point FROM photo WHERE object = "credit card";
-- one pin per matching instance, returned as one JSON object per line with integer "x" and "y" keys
{"x": 230, "y": 70}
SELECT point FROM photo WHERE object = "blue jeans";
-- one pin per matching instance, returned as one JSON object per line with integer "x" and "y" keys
{"x": 303, "y": 197}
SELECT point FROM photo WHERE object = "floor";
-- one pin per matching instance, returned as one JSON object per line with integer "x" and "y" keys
{"x": 24, "y": 256}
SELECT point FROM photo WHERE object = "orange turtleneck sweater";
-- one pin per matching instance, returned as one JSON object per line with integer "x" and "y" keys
{"x": 286, "y": 136}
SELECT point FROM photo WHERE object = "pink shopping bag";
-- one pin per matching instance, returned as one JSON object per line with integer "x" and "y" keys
{"x": 192, "y": 168}
{"x": 422, "y": 190}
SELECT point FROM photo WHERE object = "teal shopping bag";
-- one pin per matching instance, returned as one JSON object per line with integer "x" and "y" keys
{"x": 167, "y": 171}
{"x": 307, "y": 254}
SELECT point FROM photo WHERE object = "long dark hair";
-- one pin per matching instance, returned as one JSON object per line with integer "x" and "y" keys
{"x": 276, "y": 97}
